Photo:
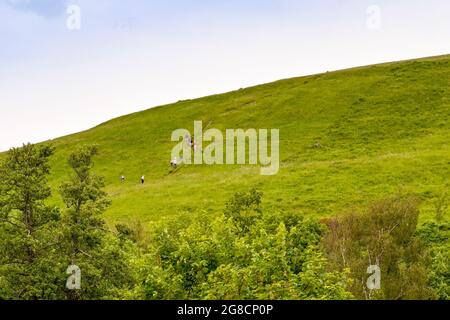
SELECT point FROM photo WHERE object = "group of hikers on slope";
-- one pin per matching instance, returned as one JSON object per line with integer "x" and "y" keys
{"x": 122, "y": 178}
{"x": 175, "y": 161}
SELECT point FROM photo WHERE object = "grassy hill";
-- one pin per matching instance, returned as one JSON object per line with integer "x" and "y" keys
{"x": 346, "y": 139}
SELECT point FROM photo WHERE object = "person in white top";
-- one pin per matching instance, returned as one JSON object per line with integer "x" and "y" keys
{"x": 174, "y": 163}
{"x": 142, "y": 179}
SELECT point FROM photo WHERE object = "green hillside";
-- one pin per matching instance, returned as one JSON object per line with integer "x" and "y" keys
{"x": 346, "y": 139}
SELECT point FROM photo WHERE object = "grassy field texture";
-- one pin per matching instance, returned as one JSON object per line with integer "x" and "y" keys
{"x": 347, "y": 138}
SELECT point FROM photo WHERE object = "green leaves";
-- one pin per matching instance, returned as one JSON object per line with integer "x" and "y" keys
{"x": 87, "y": 244}
{"x": 383, "y": 235}
{"x": 436, "y": 236}
{"x": 246, "y": 253}
{"x": 37, "y": 243}
{"x": 27, "y": 225}
{"x": 277, "y": 257}
{"x": 244, "y": 209}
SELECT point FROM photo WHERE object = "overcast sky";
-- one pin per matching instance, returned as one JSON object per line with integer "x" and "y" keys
{"x": 56, "y": 79}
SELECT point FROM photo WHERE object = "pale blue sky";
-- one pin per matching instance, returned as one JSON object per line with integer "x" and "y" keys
{"x": 135, "y": 54}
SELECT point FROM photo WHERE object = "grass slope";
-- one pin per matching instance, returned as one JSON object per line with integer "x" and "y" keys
{"x": 383, "y": 129}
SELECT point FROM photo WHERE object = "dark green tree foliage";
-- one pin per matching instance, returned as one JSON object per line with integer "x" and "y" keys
{"x": 86, "y": 241}
{"x": 383, "y": 236}
{"x": 85, "y": 202}
{"x": 27, "y": 243}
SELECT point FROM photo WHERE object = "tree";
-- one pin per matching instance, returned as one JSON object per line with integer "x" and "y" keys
{"x": 88, "y": 244}
{"x": 85, "y": 202}
{"x": 27, "y": 242}
{"x": 384, "y": 235}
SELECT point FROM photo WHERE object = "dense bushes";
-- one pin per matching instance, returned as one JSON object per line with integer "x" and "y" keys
{"x": 436, "y": 236}
{"x": 385, "y": 235}
{"x": 245, "y": 252}
{"x": 278, "y": 257}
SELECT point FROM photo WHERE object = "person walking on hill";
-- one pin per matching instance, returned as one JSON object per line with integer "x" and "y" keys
{"x": 174, "y": 163}
{"x": 143, "y": 179}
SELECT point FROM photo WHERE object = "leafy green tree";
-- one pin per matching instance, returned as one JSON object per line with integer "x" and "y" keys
{"x": 87, "y": 242}
{"x": 157, "y": 282}
{"x": 384, "y": 235}
{"x": 317, "y": 283}
{"x": 27, "y": 242}
{"x": 85, "y": 202}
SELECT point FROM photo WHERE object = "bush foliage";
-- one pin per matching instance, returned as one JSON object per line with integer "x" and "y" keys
{"x": 245, "y": 252}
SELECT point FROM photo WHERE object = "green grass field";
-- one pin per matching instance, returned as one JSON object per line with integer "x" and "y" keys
{"x": 382, "y": 130}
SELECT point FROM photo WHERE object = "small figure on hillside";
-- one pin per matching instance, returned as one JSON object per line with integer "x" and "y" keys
{"x": 194, "y": 145}
{"x": 317, "y": 145}
{"x": 122, "y": 178}
{"x": 187, "y": 138}
{"x": 174, "y": 163}
{"x": 143, "y": 179}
